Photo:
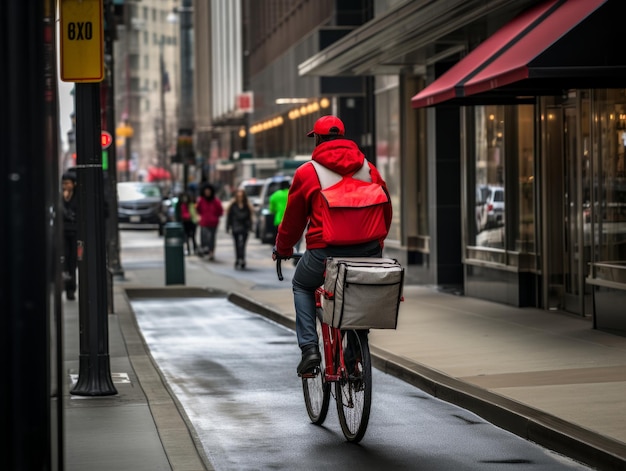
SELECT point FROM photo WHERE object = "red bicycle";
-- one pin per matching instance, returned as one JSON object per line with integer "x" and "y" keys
{"x": 347, "y": 363}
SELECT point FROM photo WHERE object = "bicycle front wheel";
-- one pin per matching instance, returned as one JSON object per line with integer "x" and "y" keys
{"x": 354, "y": 393}
{"x": 316, "y": 390}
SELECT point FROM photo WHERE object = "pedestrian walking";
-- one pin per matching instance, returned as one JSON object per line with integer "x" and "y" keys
{"x": 70, "y": 233}
{"x": 210, "y": 210}
{"x": 188, "y": 216}
{"x": 278, "y": 203}
{"x": 239, "y": 222}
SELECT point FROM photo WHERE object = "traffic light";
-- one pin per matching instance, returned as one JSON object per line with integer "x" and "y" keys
{"x": 184, "y": 147}
{"x": 105, "y": 139}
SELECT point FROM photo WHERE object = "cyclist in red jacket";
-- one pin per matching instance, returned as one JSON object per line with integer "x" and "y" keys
{"x": 305, "y": 203}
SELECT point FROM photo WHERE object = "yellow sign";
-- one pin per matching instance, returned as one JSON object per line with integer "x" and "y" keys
{"x": 82, "y": 41}
{"x": 124, "y": 130}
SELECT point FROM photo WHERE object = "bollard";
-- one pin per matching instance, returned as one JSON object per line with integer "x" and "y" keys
{"x": 174, "y": 254}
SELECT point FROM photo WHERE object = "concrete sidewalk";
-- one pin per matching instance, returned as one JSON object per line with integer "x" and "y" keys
{"x": 546, "y": 376}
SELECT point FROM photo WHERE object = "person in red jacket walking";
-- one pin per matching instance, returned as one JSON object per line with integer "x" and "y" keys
{"x": 210, "y": 210}
{"x": 340, "y": 157}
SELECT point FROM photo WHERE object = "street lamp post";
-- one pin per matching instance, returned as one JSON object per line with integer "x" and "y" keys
{"x": 94, "y": 375}
{"x": 186, "y": 105}
{"x": 165, "y": 84}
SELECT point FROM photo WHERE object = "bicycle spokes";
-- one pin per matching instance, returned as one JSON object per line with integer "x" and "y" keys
{"x": 316, "y": 389}
{"x": 353, "y": 391}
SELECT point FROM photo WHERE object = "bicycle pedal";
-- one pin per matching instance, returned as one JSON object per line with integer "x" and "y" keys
{"x": 310, "y": 374}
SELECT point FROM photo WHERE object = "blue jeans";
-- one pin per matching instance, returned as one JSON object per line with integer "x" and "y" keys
{"x": 310, "y": 275}
{"x": 207, "y": 239}
{"x": 240, "y": 239}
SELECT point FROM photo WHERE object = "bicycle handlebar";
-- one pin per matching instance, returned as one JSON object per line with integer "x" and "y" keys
{"x": 279, "y": 270}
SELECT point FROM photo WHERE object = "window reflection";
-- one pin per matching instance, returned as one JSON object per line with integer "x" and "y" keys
{"x": 610, "y": 200}
{"x": 524, "y": 235}
{"x": 504, "y": 159}
{"x": 388, "y": 144}
{"x": 489, "y": 212}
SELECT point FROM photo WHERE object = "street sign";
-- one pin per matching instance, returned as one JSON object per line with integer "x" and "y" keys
{"x": 245, "y": 102}
{"x": 106, "y": 139}
{"x": 82, "y": 41}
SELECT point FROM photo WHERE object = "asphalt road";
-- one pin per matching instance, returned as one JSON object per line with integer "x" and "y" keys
{"x": 233, "y": 372}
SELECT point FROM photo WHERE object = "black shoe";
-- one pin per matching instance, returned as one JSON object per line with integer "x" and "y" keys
{"x": 70, "y": 296}
{"x": 311, "y": 358}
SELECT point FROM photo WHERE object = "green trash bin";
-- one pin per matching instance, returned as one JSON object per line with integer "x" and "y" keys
{"x": 174, "y": 254}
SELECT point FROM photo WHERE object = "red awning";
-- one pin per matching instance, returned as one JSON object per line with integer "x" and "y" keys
{"x": 443, "y": 88}
{"x": 157, "y": 174}
{"x": 515, "y": 62}
{"x": 514, "y": 53}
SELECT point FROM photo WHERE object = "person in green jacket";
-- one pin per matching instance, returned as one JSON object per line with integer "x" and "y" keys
{"x": 278, "y": 203}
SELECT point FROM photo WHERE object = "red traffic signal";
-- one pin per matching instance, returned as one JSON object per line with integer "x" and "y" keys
{"x": 106, "y": 139}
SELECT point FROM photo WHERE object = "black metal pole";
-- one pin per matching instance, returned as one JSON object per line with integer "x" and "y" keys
{"x": 94, "y": 375}
{"x": 186, "y": 118}
{"x": 113, "y": 235}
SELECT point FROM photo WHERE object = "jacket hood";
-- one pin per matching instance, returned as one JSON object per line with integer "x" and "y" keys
{"x": 203, "y": 187}
{"x": 339, "y": 155}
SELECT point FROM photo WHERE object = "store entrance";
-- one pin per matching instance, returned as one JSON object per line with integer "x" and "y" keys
{"x": 566, "y": 186}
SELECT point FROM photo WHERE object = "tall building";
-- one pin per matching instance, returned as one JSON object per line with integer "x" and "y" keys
{"x": 146, "y": 80}
{"x": 219, "y": 71}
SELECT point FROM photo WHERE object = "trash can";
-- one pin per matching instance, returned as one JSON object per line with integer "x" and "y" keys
{"x": 174, "y": 254}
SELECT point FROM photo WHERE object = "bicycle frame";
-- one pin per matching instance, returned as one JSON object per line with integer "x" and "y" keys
{"x": 332, "y": 349}
{"x": 332, "y": 343}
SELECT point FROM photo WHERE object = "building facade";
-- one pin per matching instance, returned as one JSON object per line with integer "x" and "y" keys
{"x": 146, "y": 81}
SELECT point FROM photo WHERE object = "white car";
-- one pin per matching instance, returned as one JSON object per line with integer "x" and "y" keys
{"x": 489, "y": 207}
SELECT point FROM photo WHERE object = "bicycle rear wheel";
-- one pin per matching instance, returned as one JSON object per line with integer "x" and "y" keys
{"x": 316, "y": 390}
{"x": 354, "y": 393}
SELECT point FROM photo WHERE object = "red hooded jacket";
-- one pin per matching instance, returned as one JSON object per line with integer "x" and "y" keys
{"x": 339, "y": 155}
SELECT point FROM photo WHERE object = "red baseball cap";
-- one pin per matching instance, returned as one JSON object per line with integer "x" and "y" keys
{"x": 328, "y": 125}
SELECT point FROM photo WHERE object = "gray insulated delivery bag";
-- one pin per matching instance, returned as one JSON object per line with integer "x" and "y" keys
{"x": 362, "y": 293}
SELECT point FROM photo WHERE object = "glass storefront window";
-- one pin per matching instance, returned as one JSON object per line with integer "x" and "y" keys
{"x": 489, "y": 210}
{"x": 524, "y": 231}
{"x": 388, "y": 145}
{"x": 610, "y": 194}
{"x": 504, "y": 161}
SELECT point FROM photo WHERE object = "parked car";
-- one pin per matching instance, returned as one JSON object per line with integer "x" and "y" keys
{"x": 489, "y": 207}
{"x": 264, "y": 218}
{"x": 253, "y": 188}
{"x": 140, "y": 204}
